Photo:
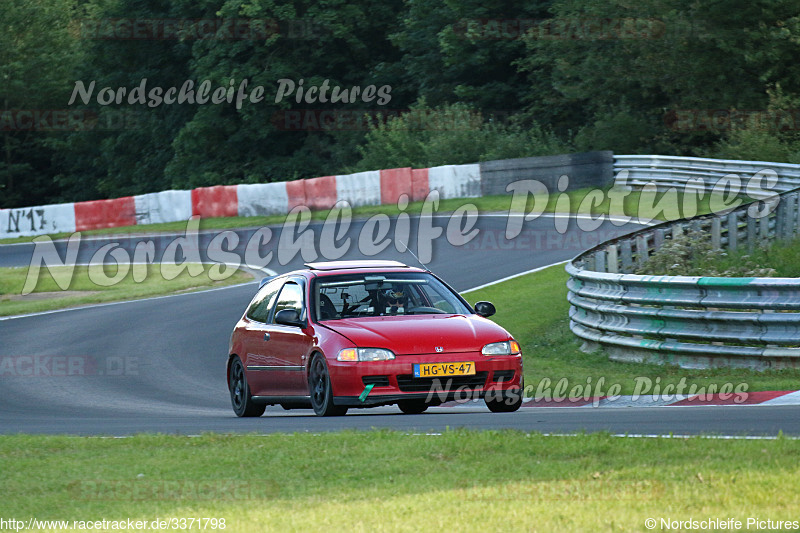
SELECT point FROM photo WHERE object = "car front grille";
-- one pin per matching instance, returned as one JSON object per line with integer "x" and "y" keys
{"x": 378, "y": 381}
{"x": 503, "y": 375}
{"x": 408, "y": 383}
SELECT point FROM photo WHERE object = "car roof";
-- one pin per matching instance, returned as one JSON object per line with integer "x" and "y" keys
{"x": 327, "y": 266}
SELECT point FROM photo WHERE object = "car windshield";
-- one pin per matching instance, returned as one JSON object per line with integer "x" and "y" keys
{"x": 383, "y": 294}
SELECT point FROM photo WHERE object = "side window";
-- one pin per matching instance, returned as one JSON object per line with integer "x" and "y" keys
{"x": 259, "y": 310}
{"x": 291, "y": 297}
{"x": 440, "y": 300}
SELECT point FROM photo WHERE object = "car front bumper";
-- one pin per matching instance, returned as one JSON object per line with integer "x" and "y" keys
{"x": 394, "y": 380}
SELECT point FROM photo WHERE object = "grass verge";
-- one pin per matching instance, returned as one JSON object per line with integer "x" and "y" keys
{"x": 389, "y": 481}
{"x": 535, "y": 310}
{"x": 582, "y": 201}
{"x": 87, "y": 285}
{"x": 692, "y": 254}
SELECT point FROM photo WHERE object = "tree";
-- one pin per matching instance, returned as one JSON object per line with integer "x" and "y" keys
{"x": 339, "y": 43}
{"x": 666, "y": 56}
{"x": 132, "y": 145}
{"x": 466, "y": 51}
{"x": 37, "y": 54}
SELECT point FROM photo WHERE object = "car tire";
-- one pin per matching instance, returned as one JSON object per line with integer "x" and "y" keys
{"x": 320, "y": 389}
{"x": 413, "y": 407}
{"x": 498, "y": 402}
{"x": 241, "y": 399}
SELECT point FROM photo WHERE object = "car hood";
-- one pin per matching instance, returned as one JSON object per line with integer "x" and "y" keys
{"x": 422, "y": 334}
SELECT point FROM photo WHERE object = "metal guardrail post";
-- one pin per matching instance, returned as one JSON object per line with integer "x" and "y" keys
{"x": 751, "y": 234}
{"x": 613, "y": 261}
{"x": 716, "y": 234}
{"x": 600, "y": 261}
{"x": 658, "y": 239}
{"x": 641, "y": 250}
{"x": 763, "y": 230}
{"x": 797, "y": 214}
{"x": 733, "y": 231}
{"x": 626, "y": 255}
{"x": 791, "y": 215}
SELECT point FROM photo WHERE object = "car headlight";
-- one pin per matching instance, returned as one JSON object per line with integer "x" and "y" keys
{"x": 501, "y": 348}
{"x": 365, "y": 354}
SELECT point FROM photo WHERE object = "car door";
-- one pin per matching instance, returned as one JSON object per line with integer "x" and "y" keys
{"x": 255, "y": 339}
{"x": 289, "y": 346}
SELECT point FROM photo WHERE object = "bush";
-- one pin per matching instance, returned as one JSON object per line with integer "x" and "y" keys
{"x": 772, "y": 136}
{"x": 757, "y": 145}
{"x": 690, "y": 254}
{"x": 451, "y": 135}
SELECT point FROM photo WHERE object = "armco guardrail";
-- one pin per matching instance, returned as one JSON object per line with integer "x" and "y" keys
{"x": 695, "y": 173}
{"x": 692, "y": 321}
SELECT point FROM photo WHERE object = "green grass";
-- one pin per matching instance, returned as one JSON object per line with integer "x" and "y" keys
{"x": 389, "y": 481}
{"x": 783, "y": 256}
{"x": 81, "y": 289}
{"x": 488, "y": 204}
{"x": 535, "y": 310}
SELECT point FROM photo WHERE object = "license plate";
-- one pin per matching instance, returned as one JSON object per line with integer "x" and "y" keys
{"x": 435, "y": 370}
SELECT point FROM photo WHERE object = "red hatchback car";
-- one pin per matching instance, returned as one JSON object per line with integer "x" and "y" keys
{"x": 367, "y": 333}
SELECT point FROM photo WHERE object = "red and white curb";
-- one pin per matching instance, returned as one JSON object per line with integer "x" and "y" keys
{"x": 649, "y": 400}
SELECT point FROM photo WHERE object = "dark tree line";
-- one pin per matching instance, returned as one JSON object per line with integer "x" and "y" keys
{"x": 467, "y": 81}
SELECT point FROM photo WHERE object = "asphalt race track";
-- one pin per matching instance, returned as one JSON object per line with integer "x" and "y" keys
{"x": 158, "y": 365}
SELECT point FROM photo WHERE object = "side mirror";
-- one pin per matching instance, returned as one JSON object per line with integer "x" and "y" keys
{"x": 485, "y": 309}
{"x": 288, "y": 317}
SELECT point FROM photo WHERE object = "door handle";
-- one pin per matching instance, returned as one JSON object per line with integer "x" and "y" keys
{"x": 266, "y": 336}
